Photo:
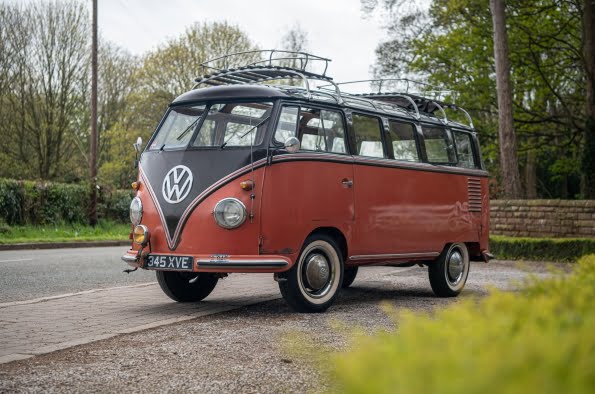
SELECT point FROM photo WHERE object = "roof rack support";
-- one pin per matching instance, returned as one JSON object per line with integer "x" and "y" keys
{"x": 417, "y": 115}
{"x": 466, "y": 115}
{"x": 444, "y": 119}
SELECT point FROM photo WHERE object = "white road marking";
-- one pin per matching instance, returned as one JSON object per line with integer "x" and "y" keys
{"x": 15, "y": 260}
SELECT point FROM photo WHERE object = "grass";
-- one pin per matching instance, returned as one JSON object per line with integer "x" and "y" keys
{"x": 104, "y": 231}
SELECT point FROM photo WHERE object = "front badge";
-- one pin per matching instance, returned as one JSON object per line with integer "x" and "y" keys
{"x": 177, "y": 184}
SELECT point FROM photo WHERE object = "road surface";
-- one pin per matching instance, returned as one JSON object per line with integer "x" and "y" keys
{"x": 109, "y": 335}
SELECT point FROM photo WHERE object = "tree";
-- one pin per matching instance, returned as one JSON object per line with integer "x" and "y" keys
{"x": 508, "y": 147}
{"x": 47, "y": 74}
{"x": 451, "y": 44}
{"x": 172, "y": 68}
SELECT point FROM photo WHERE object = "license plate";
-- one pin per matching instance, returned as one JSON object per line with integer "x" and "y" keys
{"x": 168, "y": 262}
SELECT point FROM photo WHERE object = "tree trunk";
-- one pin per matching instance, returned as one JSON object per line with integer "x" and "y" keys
{"x": 508, "y": 147}
{"x": 588, "y": 151}
{"x": 531, "y": 175}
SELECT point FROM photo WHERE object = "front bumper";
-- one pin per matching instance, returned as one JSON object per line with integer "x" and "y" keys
{"x": 223, "y": 263}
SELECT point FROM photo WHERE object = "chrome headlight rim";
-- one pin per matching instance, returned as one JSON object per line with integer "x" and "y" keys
{"x": 146, "y": 234}
{"x": 218, "y": 213}
{"x": 136, "y": 211}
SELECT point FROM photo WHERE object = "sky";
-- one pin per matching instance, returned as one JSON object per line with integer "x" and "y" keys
{"x": 337, "y": 29}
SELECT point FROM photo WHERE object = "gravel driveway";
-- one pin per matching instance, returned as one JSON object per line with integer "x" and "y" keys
{"x": 242, "y": 350}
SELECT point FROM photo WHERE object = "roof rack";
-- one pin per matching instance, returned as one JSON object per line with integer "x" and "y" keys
{"x": 265, "y": 66}
{"x": 416, "y": 101}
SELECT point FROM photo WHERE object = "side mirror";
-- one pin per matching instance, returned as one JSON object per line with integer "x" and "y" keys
{"x": 137, "y": 145}
{"x": 292, "y": 144}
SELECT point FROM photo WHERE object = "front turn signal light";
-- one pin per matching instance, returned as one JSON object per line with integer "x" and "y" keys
{"x": 247, "y": 185}
{"x": 135, "y": 185}
{"x": 141, "y": 234}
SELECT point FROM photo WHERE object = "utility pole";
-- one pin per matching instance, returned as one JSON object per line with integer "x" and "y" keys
{"x": 94, "y": 134}
{"x": 508, "y": 146}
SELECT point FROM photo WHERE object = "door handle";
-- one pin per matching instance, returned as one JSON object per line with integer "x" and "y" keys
{"x": 347, "y": 183}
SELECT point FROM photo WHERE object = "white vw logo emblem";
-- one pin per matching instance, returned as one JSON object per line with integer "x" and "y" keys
{"x": 177, "y": 184}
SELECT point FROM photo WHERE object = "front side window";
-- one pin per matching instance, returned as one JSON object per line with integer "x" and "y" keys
{"x": 317, "y": 129}
{"x": 464, "y": 143}
{"x": 322, "y": 130}
{"x": 402, "y": 139}
{"x": 177, "y": 128}
{"x": 439, "y": 146}
{"x": 287, "y": 125}
{"x": 233, "y": 124}
{"x": 368, "y": 137}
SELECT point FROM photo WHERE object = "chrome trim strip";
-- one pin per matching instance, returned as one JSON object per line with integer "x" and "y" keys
{"x": 393, "y": 256}
{"x": 202, "y": 263}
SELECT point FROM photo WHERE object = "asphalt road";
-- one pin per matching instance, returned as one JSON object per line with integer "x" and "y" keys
{"x": 28, "y": 274}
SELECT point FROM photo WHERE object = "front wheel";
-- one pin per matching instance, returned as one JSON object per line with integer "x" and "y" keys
{"x": 448, "y": 274}
{"x": 177, "y": 286}
{"x": 349, "y": 276}
{"x": 312, "y": 283}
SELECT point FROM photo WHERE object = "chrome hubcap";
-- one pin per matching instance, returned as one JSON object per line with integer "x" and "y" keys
{"x": 317, "y": 272}
{"x": 455, "y": 267}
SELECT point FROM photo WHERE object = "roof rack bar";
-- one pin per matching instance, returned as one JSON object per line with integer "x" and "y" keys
{"x": 444, "y": 119}
{"x": 466, "y": 115}
{"x": 408, "y": 98}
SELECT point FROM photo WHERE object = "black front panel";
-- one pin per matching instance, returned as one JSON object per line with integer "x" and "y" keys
{"x": 170, "y": 182}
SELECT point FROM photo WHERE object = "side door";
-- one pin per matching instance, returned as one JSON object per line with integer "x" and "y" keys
{"x": 310, "y": 188}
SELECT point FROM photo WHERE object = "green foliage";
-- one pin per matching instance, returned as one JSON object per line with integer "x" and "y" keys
{"x": 538, "y": 341}
{"x": 541, "y": 249}
{"x": 26, "y": 202}
{"x": 106, "y": 230}
{"x": 451, "y": 44}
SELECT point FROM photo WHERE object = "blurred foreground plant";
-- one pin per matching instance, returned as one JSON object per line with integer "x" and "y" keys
{"x": 540, "y": 340}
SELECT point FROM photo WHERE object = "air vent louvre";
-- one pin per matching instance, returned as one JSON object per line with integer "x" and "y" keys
{"x": 474, "y": 194}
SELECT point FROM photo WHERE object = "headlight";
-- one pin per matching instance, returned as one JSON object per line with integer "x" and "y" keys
{"x": 141, "y": 234}
{"x": 136, "y": 211}
{"x": 230, "y": 213}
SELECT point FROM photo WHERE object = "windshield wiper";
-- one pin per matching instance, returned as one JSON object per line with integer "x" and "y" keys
{"x": 187, "y": 129}
{"x": 247, "y": 132}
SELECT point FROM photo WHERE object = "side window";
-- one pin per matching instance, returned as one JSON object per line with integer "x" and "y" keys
{"x": 287, "y": 124}
{"x": 368, "y": 137}
{"x": 464, "y": 142}
{"x": 439, "y": 146}
{"x": 402, "y": 138}
{"x": 318, "y": 129}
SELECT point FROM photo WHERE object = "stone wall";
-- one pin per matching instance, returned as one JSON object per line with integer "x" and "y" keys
{"x": 543, "y": 218}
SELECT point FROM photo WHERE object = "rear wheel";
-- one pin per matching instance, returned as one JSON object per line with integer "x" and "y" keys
{"x": 349, "y": 276}
{"x": 448, "y": 274}
{"x": 312, "y": 283}
{"x": 177, "y": 286}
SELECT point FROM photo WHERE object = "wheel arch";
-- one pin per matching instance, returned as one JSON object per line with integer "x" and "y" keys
{"x": 335, "y": 234}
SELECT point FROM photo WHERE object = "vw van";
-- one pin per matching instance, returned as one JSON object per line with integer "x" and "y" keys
{"x": 307, "y": 183}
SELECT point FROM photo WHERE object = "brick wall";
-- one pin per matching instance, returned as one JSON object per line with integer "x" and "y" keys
{"x": 543, "y": 218}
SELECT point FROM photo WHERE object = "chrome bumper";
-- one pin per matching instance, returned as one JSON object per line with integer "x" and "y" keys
{"x": 130, "y": 259}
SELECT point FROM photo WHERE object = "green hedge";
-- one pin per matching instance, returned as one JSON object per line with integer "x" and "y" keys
{"x": 541, "y": 249}
{"x": 27, "y": 202}
{"x": 541, "y": 340}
